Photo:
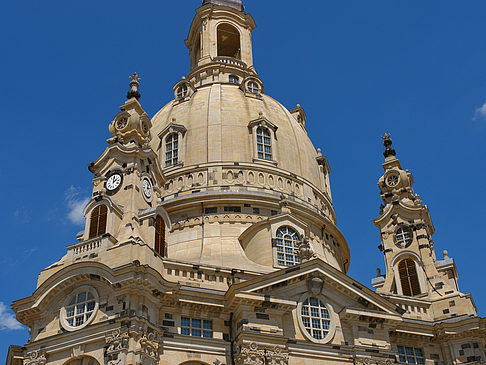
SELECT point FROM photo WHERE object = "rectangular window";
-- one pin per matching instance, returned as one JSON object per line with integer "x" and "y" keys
{"x": 232, "y": 209}
{"x": 410, "y": 355}
{"x": 196, "y": 327}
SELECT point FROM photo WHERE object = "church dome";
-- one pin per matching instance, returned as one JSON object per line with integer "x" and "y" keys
{"x": 240, "y": 170}
{"x": 217, "y": 118}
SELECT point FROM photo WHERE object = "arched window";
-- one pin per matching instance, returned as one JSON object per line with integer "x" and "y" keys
{"x": 172, "y": 150}
{"x": 264, "y": 144}
{"x": 159, "y": 236}
{"x": 97, "y": 223}
{"x": 234, "y": 80}
{"x": 228, "y": 41}
{"x": 408, "y": 277}
{"x": 286, "y": 243}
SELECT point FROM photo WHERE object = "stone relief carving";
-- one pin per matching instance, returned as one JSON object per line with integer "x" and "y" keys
{"x": 117, "y": 342}
{"x": 277, "y": 356}
{"x": 36, "y": 358}
{"x": 148, "y": 348}
{"x": 304, "y": 250}
{"x": 252, "y": 354}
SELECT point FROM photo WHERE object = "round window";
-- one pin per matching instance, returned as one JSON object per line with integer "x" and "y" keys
{"x": 315, "y": 318}
{"x": 403, "y": 237}
{"x": 79, "y": 309}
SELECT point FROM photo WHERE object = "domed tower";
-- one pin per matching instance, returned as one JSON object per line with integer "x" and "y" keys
{"x": 244, "y": 183}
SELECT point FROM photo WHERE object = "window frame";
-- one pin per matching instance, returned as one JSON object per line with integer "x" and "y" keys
{"x": 284, "y": 246}
{"x": 249, "y": 90}
{"x": 161, "y": 251}
{"x": 407, "y": 356}
{"x": 263, "y": 134}
{"x": 172, "y": 128}
{"x": 98, "y": 233}
{"x": 411, "y": 274}
{"x": 332, "y": 318}
{"x": 232, "y": 79}
{"x": 191, "y": 328}
{"x": 401, "y": 233}
{"x": 174, "y": 149}
{"x": 263, "y": 124}
{"x": 63, "y": 314}
{"x": 183, "y": 91}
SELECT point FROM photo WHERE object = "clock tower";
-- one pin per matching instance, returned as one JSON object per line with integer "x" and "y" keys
{"x": 406, "y": 229}
{"x": 127, "y": 179}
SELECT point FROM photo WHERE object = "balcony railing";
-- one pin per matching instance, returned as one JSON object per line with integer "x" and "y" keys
{"x": 230, "y": 61}
{"x": 91, "y": 246}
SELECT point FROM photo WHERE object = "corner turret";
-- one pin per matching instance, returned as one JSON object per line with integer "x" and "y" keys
{"x": 413, "y": 273}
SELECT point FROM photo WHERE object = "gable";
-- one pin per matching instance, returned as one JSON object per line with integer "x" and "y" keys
{"x": 339, "y": 288}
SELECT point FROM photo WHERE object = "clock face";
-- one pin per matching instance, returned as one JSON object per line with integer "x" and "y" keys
{"x": 147, "y": 188}
{"x": 113, "y": 182}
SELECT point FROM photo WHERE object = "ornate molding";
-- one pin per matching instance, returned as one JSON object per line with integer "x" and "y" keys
{"x": 368, "y": 361}
{"x": 277, "y": 356}
{"x": 36, "y": 358}
{"x": 253, "y": 354}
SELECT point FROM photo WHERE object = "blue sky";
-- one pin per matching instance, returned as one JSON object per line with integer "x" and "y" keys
{"x": 359, "y": 68}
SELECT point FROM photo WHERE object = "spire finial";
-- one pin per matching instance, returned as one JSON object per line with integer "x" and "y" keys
{"x": 387, "y": 142}
{"x": 134, "y": 84}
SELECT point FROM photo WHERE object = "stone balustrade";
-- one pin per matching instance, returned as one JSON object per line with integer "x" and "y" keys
{"x": 91, "y": 246}
{"x": 230, "y": 61}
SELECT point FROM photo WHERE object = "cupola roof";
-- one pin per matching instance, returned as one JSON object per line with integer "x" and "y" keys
{"x": 236, "y": 4}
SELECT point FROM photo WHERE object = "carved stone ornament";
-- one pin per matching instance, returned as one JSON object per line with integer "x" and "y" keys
{"x": 277, "y": 356}
{"x": 117, "y": 342}
{"x": 304, "y": 250}
{"x": 149, "y": 346}
{"x": 368, "y": 361}
{"x": 254, "y": 355}
{"x": 36, "y": 358}
{"x": 250, "y": 355}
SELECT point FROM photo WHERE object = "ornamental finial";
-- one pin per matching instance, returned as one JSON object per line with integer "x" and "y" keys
{"x": 134, "y": 85}
{"x": 387, "y": 142}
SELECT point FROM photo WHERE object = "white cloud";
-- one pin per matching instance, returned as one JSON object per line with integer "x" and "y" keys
{"x": 480, "y": 112}
{"x": 75, "y": 204}
{"x": 7, "y": 319}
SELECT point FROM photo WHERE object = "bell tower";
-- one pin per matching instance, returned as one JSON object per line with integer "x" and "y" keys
{"x": 406, "y": 229}
{"x": 220, "y": 45}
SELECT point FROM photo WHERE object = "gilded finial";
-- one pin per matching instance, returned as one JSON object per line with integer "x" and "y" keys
{"x": 387, "y": 142}
{"x": 134, "y": 85}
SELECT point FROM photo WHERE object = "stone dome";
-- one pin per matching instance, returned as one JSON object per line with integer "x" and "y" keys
{"x": 240, "y": 171}
{"x": 217, "y": 120}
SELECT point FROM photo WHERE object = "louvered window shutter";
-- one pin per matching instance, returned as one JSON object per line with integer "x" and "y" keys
{"x": 408, "y": 277}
